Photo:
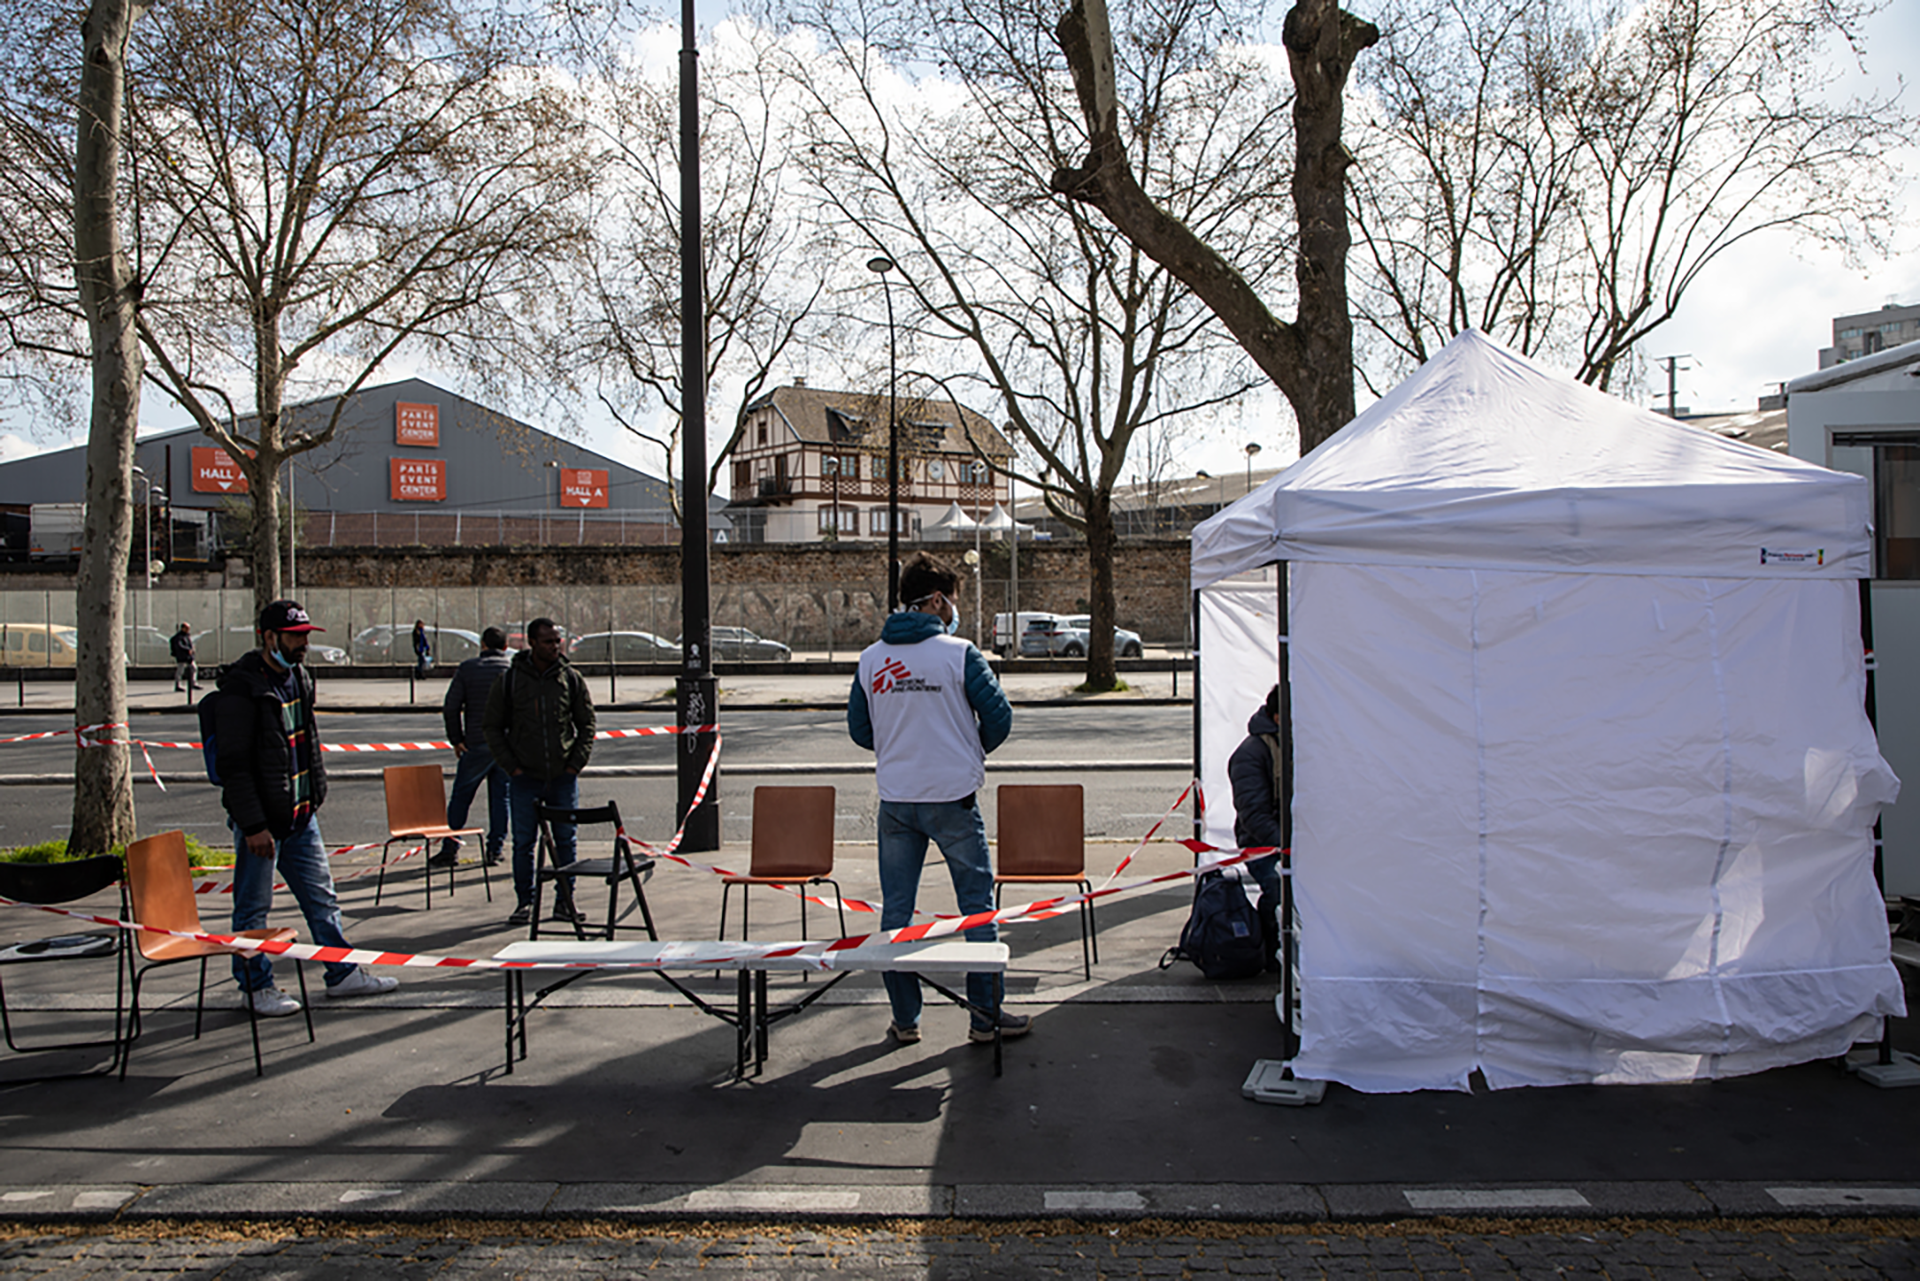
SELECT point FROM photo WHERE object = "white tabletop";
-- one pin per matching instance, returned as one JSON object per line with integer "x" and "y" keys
{"x": 927, "y": 956}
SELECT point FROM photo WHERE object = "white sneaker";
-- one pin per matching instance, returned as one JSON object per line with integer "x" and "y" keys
{"x": 270, "y": 1003}
{"x": 362, "y": 982}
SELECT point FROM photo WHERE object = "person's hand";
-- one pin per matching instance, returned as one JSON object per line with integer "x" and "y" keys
{"x": 459, "y": 750}
{"x": 517, "y": 773}
{"x": 260, "y": 843}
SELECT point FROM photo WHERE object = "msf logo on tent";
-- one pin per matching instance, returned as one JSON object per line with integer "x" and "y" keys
{"x": 1818, "y": 556}
{"x": 891, "y": 673}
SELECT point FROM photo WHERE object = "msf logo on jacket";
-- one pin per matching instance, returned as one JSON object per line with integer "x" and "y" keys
{"x": 894, "y": 675}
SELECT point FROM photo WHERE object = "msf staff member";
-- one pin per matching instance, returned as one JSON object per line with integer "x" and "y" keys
{"x": 273, "y": 780}
{"x": 929, "y": 708}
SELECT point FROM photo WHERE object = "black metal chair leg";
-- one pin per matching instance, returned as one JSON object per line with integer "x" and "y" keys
{"x": 200, "y": 1001}
{"x": 306, "y": 1004}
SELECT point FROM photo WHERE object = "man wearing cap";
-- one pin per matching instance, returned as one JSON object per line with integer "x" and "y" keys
{"x": 273, "y": 780}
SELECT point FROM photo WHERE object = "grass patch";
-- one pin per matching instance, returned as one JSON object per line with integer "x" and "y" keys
{"x": 1087, "y": 687}
{"x": 199, "y": 853}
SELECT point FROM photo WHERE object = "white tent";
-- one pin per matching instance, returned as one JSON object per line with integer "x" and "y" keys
{"x": 953, "y": 523}
{"x": 998, "y": 521}
{"x": 1584, "y": 787}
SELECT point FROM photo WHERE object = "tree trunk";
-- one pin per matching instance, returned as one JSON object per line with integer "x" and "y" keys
{"x": 102, "y": 784}
{"x": 1310, "y": 359}
{"x": 1101, "y": 545}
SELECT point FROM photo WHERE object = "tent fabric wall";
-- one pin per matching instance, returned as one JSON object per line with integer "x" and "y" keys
{"x": 1695, "y": 901}
{"x": 1239, "y": 633}
{"x": 1584, "y": 785}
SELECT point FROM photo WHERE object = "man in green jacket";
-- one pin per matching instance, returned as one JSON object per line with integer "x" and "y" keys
{"x": 539, "y": 724}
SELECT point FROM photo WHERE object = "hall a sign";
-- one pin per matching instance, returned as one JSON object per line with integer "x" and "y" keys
{"x": 417, "y": 480}
{"x": 583, "y": 487}
{"x": 215, "y": 472}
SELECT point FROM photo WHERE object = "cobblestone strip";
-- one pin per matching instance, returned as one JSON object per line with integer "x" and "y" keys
{"x": 954, "y": 1250}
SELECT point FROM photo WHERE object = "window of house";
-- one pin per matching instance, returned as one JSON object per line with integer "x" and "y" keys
{"x": 877, "y": 520}
{"x": 849, "y": 518}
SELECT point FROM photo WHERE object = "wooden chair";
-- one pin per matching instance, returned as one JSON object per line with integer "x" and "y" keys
{"x": 160, "y": 884}
{"x": 54, "y": 883}
{"x": 792, "y": 846}
{"x": 417, "y": 811}
{"x": 1042, "y": 841}
{"x": 621, "y": 865}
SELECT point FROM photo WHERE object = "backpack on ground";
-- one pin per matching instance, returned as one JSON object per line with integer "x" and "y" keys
{"x": 1222, "y": 935}
{"x": 208, "y": 715}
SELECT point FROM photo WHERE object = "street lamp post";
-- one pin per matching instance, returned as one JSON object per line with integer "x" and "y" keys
{"x": 147, "y": 552}
{"x": 880, "y": 265}
{"x": 1252, "y": 449}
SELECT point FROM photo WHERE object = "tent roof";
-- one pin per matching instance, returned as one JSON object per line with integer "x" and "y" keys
{"x": 955, "y": 519}
{"x": 1482, "y": 459}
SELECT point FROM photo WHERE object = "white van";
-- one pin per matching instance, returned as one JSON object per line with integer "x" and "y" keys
{"x": 1006, "y": 630}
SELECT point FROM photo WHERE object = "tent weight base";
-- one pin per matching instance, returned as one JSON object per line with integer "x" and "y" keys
{"x": 1903, "y": 1071}
{"x": 1271, "y": 1082}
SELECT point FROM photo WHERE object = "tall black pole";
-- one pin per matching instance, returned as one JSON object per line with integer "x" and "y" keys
{"x": 882, "y": 265}
{"x": 697, "y": 693}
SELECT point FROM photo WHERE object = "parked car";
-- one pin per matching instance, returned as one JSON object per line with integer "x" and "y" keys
{"x": 742, "y": 646}
{"x": 375, "y": 644}
{"x": 450, "y": 645}
{"x": 1008, "y": 627}
{"x": 148, "y": 647}
{"x": 626, "y": 647}
{"x": 236, "y": 641}
{"x": 1065, "y": 636}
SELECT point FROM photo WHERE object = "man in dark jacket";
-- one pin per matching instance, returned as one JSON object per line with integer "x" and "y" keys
{"x": 465, "y": 708}
{"x": 273, "y": 781}
{"x": 539, "y": 727}
{"x": 1254, "y": 772}
{"x": 181, "y": 647}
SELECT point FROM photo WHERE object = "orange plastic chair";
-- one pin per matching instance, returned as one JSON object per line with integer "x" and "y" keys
{"x": 160, "y": 884}
{"x": 792, "y": 846}
{"x": 1043, "y": 841}
{"x": 417, "y": 811}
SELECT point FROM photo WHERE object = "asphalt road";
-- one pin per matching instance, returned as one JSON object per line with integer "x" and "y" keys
{"x": 1122, "y": 801}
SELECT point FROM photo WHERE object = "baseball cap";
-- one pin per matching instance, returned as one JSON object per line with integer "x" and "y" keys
{"x": 286, "y": 616}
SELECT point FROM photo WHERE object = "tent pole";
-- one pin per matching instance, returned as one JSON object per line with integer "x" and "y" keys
{"x": 1873, "y": 719}
{"x": 1199, "y": 810}
{"x": 1285, "y": 799}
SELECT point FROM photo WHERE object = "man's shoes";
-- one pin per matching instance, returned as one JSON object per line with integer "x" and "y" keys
{"x": 522, "y": 915}
{"x": 449, "y": 856}
{"x": 493, "y": 858}
{"x": 569, "y": 913}
{"x": 270, "y": 1002}
{"x": 904, "y": 1035}
{"x": 1011, "y": 1025}
{"x": 362, "y": 982}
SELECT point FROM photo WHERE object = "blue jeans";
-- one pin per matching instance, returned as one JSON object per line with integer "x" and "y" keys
{"x": 524, "y": 791}
{"x": 956, "y": 826}
{"x": 476, "y": 766}
{"x": 302, "y": 863}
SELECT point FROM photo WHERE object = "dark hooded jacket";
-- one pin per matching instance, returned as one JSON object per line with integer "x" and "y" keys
{"x": 253, "y": 752}
{"x": 1256, "y": 817}
{"x": 540, "y": 722}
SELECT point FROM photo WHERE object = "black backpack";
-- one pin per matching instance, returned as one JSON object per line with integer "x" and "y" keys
{"x": 205, "y": 708}
{"x": 1222, "y": 935}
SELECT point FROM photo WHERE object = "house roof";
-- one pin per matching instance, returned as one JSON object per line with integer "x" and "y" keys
{"x": 820, "y": 416}
{"x": 1863, "y": 367}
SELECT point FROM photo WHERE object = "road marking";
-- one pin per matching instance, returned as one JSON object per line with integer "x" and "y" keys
{"x": 765, "y": 1199}
{"x": 1493, "y": 1198}
{"x": 98, "y": 1200}
{"x": 23, "y": 1196}
{"x": 367, "y": 1194}
{"x": 1800, "y": 1197}
{"x": 1095, "y": 1201}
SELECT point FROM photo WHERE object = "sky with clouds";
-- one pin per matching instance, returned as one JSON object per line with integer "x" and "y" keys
{"x": 1755, "y": 319}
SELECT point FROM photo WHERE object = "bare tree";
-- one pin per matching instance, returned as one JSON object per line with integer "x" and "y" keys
{"x": 108, "y": 291}
{"x": 312, "y": 185}
{"x": 1561, "y": 175}
{"x": 1309, "y": 358}
{"x": 1085, "y": 340}
{"x": 763, "y": 280}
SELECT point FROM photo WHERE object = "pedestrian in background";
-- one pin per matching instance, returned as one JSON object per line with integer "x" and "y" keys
{"x": 422, "y": 650}
{"x": 181, "y": 647}
{"x": 465, "y": 711}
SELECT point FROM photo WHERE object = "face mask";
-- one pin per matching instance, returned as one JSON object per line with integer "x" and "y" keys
{"x": 953, "y": 624}
{"x": 273, "y": 656}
